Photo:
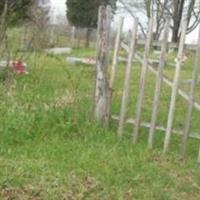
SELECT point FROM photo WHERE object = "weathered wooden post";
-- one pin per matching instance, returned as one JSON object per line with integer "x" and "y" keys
{"x": 159, "y": 78}
{"x": 126, "y": 90}
{"x": 102, "y": 91}
{"x": 175, "y": 88}
{"x": 195, "y": 76}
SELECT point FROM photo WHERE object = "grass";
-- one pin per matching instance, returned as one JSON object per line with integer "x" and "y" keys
{"x": 50, "y": 148}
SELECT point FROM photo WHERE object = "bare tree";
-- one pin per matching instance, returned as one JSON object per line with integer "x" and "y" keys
{"x": 189, "y": 9}
{"x": 39, "y": 18}
{"x": 134, "y": 9}
{"x": 150, "y": 9}
{"x": 162, "y": 9}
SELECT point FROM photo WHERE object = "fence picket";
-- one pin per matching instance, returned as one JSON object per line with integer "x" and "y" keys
{"x": 195, "y": 74}
{"x": 156, "y": 101}
{"x": 142, "y": 81}
{"x": 175, "y": 88}
{"x": 126, "y": 89}
{"x": 116, "y": 51}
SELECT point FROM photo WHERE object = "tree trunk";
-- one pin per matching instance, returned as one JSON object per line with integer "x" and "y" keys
{"x": 148, "y": 8}
{"x": 175, "y": 36}
{"x": 177, "y": 17}
{"x": 87, "y": 39}
{"x": 73, "y": 36}
{"x": 78, "y": 39}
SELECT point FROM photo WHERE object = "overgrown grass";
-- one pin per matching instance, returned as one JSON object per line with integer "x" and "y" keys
{"x": 50, "y": 148}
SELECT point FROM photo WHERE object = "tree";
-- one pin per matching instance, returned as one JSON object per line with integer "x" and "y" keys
{"x": 161, "y": 9}
{"x": 84, "y": 14}
{"x": 17, "y": 10}
{"x": 148, "y": 8}
{"x": 39, "y": 15}
{"x": 189, "y": 9}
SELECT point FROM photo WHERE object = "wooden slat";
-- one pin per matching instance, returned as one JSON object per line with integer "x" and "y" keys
{"x": 175, "y": 88}
{"x": 195, "y": 74}
{"x": 142, "y": 81}
{"x": 156, "y": 101}
{"x": 116, "y": 51}
{"x": 126, "y": 89}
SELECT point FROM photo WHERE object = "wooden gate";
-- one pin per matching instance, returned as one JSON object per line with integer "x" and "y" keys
{"x": 146, "y": 65}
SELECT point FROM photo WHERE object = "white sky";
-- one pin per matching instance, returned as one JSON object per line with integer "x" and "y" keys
{"x": 59, "y": 8}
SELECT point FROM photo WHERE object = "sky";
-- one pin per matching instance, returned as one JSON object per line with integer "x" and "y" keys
{"x": 59, "y": 8}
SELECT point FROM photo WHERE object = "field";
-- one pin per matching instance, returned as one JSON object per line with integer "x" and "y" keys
{"x": 52, "y": 149}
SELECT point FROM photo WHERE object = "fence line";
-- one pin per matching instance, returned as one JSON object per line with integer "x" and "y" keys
{"x": 160, "y": 78}
{"x": 165, "y": 79}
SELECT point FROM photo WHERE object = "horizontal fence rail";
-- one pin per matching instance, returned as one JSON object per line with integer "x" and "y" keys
{"x": 158, "y": 128}
{"x": 171, "y": 45}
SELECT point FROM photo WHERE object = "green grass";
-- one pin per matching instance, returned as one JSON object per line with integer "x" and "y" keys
{"x": 50, "y": 148}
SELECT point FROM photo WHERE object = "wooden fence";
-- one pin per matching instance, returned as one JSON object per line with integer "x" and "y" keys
{"x": 158, "y": 72}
